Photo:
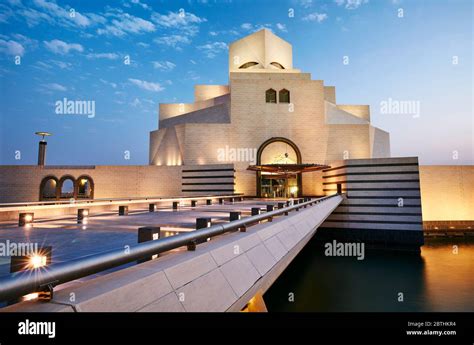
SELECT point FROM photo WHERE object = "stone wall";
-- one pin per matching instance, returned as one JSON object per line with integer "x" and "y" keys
{"x": 382, "y": 205}
{"x": 20, "y": 183}
{"x": 447, "y": 192}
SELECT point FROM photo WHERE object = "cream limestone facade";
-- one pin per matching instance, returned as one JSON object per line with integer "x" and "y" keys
{"x": 186, "y": 152}
{"x": 238, "y": 116}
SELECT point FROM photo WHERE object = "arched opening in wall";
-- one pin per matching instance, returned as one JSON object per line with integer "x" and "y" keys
{"x": 284, "y": 96}
{"x": 249, "y": 65}
{"x": 273, "y": 180}
{"x": 270, "y": 96}
{"x": 66, "y": 187}
{"x": 277, "y": 65}
{"x": 48, "y": 188}
{"x": 85, "y": 187}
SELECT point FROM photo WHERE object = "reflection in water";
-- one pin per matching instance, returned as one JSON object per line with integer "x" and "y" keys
{"x": 436, "y": 280}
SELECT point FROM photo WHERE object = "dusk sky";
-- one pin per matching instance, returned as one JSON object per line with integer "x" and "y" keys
{"x": 411, "y": 51}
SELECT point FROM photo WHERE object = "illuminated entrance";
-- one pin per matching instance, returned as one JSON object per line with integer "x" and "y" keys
{"x": 278, "y": 184}
{"x": 279, "y": 169}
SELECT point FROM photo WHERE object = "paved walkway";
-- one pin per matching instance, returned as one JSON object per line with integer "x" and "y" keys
{"x": 110, "y": 231}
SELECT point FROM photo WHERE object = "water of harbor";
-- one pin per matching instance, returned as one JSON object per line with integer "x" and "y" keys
{"x": 440, "y": 278}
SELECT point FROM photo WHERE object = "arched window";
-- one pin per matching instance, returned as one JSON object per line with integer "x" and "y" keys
{"x": 48, "y": 188}
{"x": 277, "y": 65}
{"x": 85, "y": 187}
{"x": 284, "y": 96}
{"x": 271, "y": 96}
{"x": 248, "y": 64}
{"x": 66, "y": 185}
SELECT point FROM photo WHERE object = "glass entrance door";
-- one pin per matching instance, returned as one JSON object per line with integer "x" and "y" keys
{"x": 275, "y": 186}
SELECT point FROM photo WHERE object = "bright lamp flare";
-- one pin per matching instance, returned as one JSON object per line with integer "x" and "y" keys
{"x": 37, "y": 261}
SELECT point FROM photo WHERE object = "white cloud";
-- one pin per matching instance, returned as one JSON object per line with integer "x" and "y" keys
{"x": 54, "y": 63}
{"x": 164, "y": 65}
{"x": 351, "y": 4}
{"x": 110, "y": 56}
{"x": 143, "y": 44}
{"x": 172, "y": 40}
{"x": 124, "y": 23}
{"x": 55, "y": 87}
{"x": 182, "y": 23}
{"x": 146, "y": 85}
{"x": 144, "y": 6}
{"x": 34, "y": 17}
{"x": 61, "y": 47}
{"x": 281, "y": 27}
{"x": 176, "y": 19}
{"x": 315, "y": 17}
{"x": 257, "y": 27}
{"x": 11, "y": 48}
{"x": 5, "y": 13}
{"x": 212, "y": 49}
{"x": 52, "y": 13}
{"x": 113, "y": 85}
{"x": 63, "y": 15}
{"x": 61, "y": 64}
{"x": 136, "y": 103}
{"x": 305, "y": 3}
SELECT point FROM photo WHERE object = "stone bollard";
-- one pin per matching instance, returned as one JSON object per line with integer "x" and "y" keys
{"x": 255, "y": 211}
{"x": 82, "y": 214}
{"x": 123, "y": 211}
{"x": 235, "y": 215}
{"x": 270, "y": 209}
{"x": 200, "y": 224}
{"x": 26, "y": 219}
{"x": 148, "y": 233}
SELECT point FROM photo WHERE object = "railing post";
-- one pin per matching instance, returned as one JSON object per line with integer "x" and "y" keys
{"x": 151, "y": 207}
{"x": 148, "y": 233}
{"x": 175, "y": 205}
{"x": 193, "y": 203}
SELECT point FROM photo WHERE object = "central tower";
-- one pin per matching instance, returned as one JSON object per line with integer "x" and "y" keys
{"x": 260, "y": 51}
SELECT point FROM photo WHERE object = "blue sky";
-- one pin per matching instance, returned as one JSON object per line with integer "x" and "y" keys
{"x": 50, "y": 50}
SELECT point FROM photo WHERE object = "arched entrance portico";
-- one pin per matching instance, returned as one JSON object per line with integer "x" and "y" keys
{"x": 278, "y": 151}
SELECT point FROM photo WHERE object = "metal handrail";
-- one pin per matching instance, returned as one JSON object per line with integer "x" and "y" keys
{"x": 24, "y": 282}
